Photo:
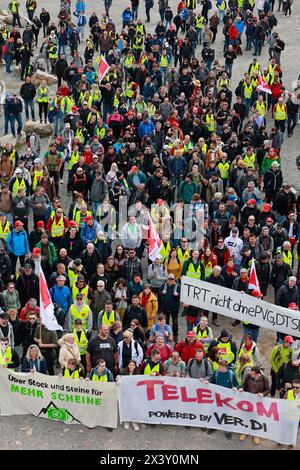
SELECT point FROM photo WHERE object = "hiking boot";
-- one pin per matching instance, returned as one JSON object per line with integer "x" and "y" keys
{"x": 210, "y": 431}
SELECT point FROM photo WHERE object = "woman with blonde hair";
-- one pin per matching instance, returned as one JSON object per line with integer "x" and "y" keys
{"x": 243, "y": 367}
{"x": 34, "y": 361}
{"x": 68, "y": 350}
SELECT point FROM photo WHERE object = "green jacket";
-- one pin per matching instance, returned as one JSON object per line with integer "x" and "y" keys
{"x": 267, "y": 163}
{"x": 51, "y": 250}
{"x": 186, "y": 191}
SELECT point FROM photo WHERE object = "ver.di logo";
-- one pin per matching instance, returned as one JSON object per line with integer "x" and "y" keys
{"x": 57, "y": 414}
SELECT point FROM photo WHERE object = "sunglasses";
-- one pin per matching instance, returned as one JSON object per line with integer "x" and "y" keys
{"x": 296, "y": 388}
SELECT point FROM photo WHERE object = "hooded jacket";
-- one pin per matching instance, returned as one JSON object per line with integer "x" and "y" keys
{"x": 235, "y": 245}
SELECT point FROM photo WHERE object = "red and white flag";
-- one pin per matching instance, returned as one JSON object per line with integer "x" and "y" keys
{"x": 46, "y": 306}
{"x": 154, "y": 241}
{"x": 103, "y": 68}
{"x": 262, "y": 85}
{"x": 253, "y": 281}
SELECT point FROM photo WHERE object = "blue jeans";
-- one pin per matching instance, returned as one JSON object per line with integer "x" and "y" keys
{"x": 199, "y": 35}
{"x": 58, "y": 124}
{"x": 107, "y": 109}
{"x": 208, "y": 64}
{"x": 29, "y": 104}
{"x": 8, "y": 62}
{"x": 162, "y": 14}
{"x": 62, "y": 48}
{"x": 95, "y": 206}
{"x": 135, "y": 12}
{"x": 221, "y": 15}
{"x": 13, "y": 119}
{"x": 228, "y": 68}
{"x": 258, "y": 46}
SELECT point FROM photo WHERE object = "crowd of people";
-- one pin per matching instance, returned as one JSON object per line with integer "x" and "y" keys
{"x": 165, "y": 133}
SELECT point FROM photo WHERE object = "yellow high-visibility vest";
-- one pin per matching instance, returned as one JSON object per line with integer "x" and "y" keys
{"x": 83, "y": 314}
{"x": 82, "y": 343}
{"x": 105, "y": 320}
{"x": 72, "y": 276}
{"x": 165, "y": 251}
{"x": 6, "y": 358}
{"x": 261, "y": 108}
{"x": 164, "y": 62}
{"x": 84, "y": 292}
{"x": 200, "y": 22}
{"x": 248, "y": 89}
{"x": 17, "y": 185}
{"x": 192, "y": 272}
{"x": 4, "y": 231}
{"x": 210, "y": 122}
{"x": 280, "y": 112}
{"x": 183, "y": 255}
{"x": 148, "y": 369}
{"x": 73, "y": 160}
{"x": 72, "y": 375}
{"x": 37, "y": 177}
{"x": 102, "y": 378}
{"x": 57, "y": 229}
{"x": 225, "y": 351}
{"x": 42, "y": 95}
{"x": 291, "y": 396}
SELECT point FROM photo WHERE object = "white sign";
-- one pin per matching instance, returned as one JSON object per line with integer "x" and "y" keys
{"x": 168, "y": 400}
{"x": 244, "y": 307}
{"x": 72, "y": 401}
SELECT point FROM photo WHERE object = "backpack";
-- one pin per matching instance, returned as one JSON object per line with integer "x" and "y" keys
{"x": 231, "y": 373}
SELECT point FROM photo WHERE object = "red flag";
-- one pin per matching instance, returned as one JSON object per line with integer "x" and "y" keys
{"x": 154, "y": 241}
{"x": 253, "y": 281}
{"x": 103, "y": 68}
{"x": 46, "y": 306}
{"x": 262, "y": 85}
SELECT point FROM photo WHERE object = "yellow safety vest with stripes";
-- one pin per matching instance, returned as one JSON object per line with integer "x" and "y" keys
{"x": 192, "y": 272}
{"x": 164, "y": 61}
{"x": 102, "y": 378}
{"x": 225, "y": 351}
{"x": 200, "y": 22}
{"x": 73, "y": 160}
{"x": 42, "y": 95}
{"x": 291, "y": 396}
{"x": 201, "y": 334}
{"x": 261, "y": 108}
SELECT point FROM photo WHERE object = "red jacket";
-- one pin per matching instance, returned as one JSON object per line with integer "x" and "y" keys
{"x": 187, "y": 351}
{"x": 233, "y": 32}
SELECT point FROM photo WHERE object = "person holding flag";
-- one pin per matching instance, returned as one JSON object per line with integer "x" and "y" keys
{"x": 254, "y": 290}
{"x": 45, "y": 334}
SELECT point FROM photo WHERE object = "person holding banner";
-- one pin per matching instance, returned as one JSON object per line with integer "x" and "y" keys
{"x": 258, "y": 383}
{"x": 73, "y": 370}
{"x": 227, "y": 347}
{"x": 224, "y": 377}
{"x": 152, "y": 366}
{"x": 48, "y": 342}
{"x": 34, "y": 361}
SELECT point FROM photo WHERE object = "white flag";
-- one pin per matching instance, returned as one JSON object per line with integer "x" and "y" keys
{"x": 46, "y": 306}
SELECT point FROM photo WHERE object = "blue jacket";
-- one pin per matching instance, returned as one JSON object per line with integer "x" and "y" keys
{"x": 62, "y": 296}
{"x": 80, "y": 6}
{"x": 177, "y": 166}
{"x": 17, "y": 242}
{"x": 145, "y": 128}
{"x": 126, "y": 16}
{"x": 240, "y": 26}
{"x": 89, "y": 233}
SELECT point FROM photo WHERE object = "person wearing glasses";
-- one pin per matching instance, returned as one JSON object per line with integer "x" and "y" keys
{"x": 8, "y": 355}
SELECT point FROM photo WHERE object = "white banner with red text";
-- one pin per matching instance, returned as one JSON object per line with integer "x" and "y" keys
{"x": 190, "y": 402}
{"x": 235, "y": 304}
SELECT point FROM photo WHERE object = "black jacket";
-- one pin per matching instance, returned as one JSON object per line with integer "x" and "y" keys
{"x": 28, "y": 91}
{"x": 28, "y": 287}
{"x": 285, "y": 295}
{"x": 132, "y": 313}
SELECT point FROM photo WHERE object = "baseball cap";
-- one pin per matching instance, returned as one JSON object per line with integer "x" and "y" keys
{"x": 72, "y": 223}
{"x": 36, "y": 251}
{"x": 78, "y": 321}
{"x": 27, "y": 266}
{"x": 251, "y": 201}
{"x": 293, "y": 306}
{"x": 190, "y": 334}
{"x": 77, "y": 262}
{"x": 134, "y": 168}
{"x": 18, "y": 170}
{"x": 269, "y": 219}
{"x": 18, "y": 223}
{"x": 87, "y": 218}
{"x": 267, "y": 208}
{"x": 80, "y": 278}
{"x": 288, "y": 339}
{"x": 37, "y": 160}
{"x": 40, "y": 223}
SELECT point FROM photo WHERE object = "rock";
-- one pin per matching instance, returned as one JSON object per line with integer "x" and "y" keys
{"x": 41, "y": 129}
{"x": 40, "y": 75}
{"x": 7, "y": 139}
{"x": 21, "y": 140}
{"x": 4, "y": 12}
{"x": 6, "y": 18}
